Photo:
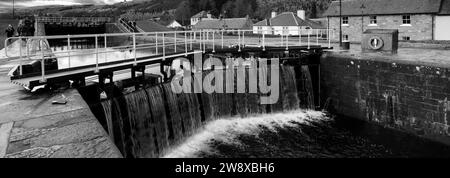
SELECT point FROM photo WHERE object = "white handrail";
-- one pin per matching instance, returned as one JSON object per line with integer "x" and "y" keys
{"x": 152, "y": 40}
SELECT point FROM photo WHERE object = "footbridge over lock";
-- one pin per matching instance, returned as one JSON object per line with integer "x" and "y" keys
{"x": 44, "y": 63}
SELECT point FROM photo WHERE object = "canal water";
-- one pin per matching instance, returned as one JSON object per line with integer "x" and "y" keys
{"x": 156, "y": 122}
{"x": 303, "y": 134}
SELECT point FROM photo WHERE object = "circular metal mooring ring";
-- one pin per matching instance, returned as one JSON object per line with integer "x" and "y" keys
{"x": 376, "y": 43}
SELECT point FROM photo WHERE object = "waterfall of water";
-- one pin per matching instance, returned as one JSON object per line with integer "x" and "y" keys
{"x": 159, "y": 119}
{"x": 289, "y": 89}
{"x": 223, "y": 102}
{"x": 142, "y": 128}
{"x": 307, "y": 90}
{"x": 146, "y": 122}
{"x": 108, "y": 117}
{"x": 118, "y": 127}
{"x": 175, "y": 120}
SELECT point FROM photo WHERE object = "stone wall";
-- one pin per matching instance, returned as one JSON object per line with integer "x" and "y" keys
{"x": 403, "y": 95}
{"x": 421, "y": 27}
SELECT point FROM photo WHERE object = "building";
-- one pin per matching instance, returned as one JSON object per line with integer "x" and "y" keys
{"x": 173, "y": 24}
{"x": 415, "y": 19}
{"x": 225, "y": 24}
{"x": 286, "y": 23}
{"x": 203, "y": 15}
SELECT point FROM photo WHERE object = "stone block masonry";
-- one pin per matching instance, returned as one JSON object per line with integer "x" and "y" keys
{"x": 421, "y": 27}
{"x": 403, "y": 95}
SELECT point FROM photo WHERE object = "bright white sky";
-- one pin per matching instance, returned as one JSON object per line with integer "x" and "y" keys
{"x": 31, "y": 3}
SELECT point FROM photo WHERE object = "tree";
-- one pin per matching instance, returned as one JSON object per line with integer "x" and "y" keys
{"x": 183, "y": 12}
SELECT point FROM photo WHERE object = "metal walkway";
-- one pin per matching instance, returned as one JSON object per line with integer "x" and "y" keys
{"x": 106, "y": 53}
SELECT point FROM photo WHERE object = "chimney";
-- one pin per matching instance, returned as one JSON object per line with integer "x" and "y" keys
{"x": 209, "y": 15}
{"x": 301, "y": 14}
{"x": 274, "y": 14}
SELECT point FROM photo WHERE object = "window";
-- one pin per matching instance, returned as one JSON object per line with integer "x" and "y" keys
{"x": 286, "y": 30}
{"x": 373, "y": 20}
{"x": 260, "y": 29}
{"x": 344, "y": 20}
{"x": 309, "y": 30}
{"x": 344, "y": 37}
{"x": 406, "y": 20}
{"x": 406, "y": 38}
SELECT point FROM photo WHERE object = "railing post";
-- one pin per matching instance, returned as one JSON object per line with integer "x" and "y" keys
{"x": 191, "y": 38}
{"x": 68, "y": 48}
{"x": 207, "y": 39}
{"x": 282, "y": 40}
{"x": 20, "y": 51}
{"x": 28, "y": 48}
{"x": 317, "y": 37}
{"x": 308, "y": 39}
{"x": 156, "y": 36}
{"x": 42, "y": 62}
{"x": 214, "y": 43}
{"x": 264, "y": 41}
{"x": 204, "y": 41}
{"x": 222, "y": 38}
{"x": 96, "y": 54}
{"x": 243, "y": 39}
{"x": 194, "y": 37}
{"x": 164, "y": 46}
{"x": 134, "y": 49}
{"x": 185, "y": 43}
{"x": 300, "y": 36}
{"x": 329, "y": 38}
{"x": 287, "y": 42}
{"x": 239, "y": 40}
{"x": 106, "y": 48}
{"x": 200, "y": 36}
{"x": 175, "y": 40}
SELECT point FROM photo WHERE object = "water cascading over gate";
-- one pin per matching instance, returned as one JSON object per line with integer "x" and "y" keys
{"x": 146, "y": 123}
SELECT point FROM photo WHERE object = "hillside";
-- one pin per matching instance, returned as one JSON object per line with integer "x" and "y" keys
{"x": 182, "y": 10}
{"x": 313, "y": 8}
{"x": 258, "y": 9}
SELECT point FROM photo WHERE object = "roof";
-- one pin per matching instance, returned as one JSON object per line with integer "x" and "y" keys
{"x": 381, "y": 7}
{"x": 202, "y": 14}
{"x": 285, "y": 19}
{"x": 151, "y": 26}
{"x": 289, "y": 19}
{"x": 229, "y": 23}
{"x": 167, "y": 23}
{"x": 264, "y": 22}
{"x": 445, "y": 8}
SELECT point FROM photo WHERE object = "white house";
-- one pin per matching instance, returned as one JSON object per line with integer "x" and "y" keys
{"x": 203, "y": 15}
{"x": 417, "y": 20}
{"x": 286, "y": 23}
{"x": 225, "y": 24}
{"x": 174, "y": 24}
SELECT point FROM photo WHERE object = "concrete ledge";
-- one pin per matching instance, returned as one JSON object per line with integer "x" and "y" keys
{"x": 60, "y": 131}
{"x": 5, "y": 130}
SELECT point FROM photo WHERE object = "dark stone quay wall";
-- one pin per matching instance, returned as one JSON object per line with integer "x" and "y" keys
{"x": 403, "y": 95}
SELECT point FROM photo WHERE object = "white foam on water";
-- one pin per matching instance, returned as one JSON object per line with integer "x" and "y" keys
{"x": 227, "y": 130}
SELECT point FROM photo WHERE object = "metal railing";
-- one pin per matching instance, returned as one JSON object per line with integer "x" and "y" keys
{"x": 74, "y": 19}
{"x": 159, "y": 44}
{"x": 127, "y": 26}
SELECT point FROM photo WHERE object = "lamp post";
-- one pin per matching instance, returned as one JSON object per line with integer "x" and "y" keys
{"x": 340, "y": 23}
